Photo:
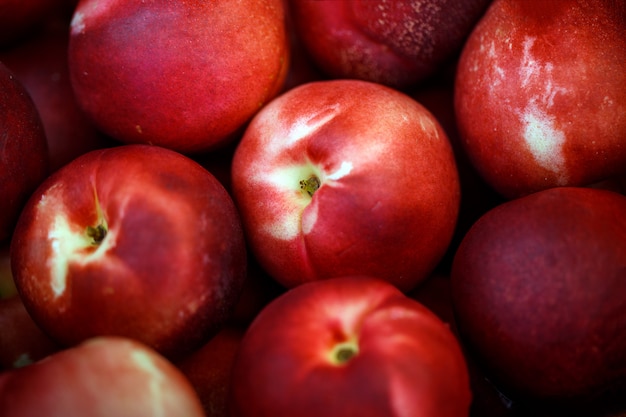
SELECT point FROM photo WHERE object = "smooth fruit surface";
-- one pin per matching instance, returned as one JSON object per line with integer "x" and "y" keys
{"x": 182, "y": 75}
{"x": 540, "y": 97}
{"x": 346, "y": 177}
{"x": 349, "y": 346}
{"x": 102, "y": 377}
{"x": 136, "y": 241}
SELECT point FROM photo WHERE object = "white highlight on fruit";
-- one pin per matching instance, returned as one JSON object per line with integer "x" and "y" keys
{"x": 287, "y": 209}
{"x": 551, "y": 90}
{"x": 306, "y": 125}
{"x": 492, "y": 71}
{"x": 529, "y": 66}
{"x": 492, "y": 51}
{"x": 78, "y": 22}
{"x": 282, "y": 179}
{"x": 69, "y": 245}
{"x": 63, "y": 242}
{"x": 303, "y": 127}
{"x": 607, "y": 102}
{"x": 499, "y": 72}
{"x": 534, "y": 73}
{"x": 89, "y": 9}
{"x": 156, "y": 380}
{"x": 344, "y": 169}
{"x": 544, "y": 140}
{"x": 402, "y": 396}
{"x": 348, "y": 314}
{"x": 309, "y": 218}
{"x": 291, "y": 218}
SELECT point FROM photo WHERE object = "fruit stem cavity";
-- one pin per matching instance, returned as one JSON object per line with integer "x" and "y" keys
{"x": 344, "y": 352}
{"x": 97, "y": 233}
{"x": 310, "y": 185}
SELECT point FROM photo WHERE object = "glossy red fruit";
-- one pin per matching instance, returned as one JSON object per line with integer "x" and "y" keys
{"x": 136, "y": 241}
{"x": 102, "y": 377}
{"x": 540, "y": 97}
{"x": 346, "y": 177}
{"x": 349, "y": 346}
{"x": 186, "y": 75}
